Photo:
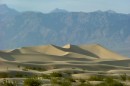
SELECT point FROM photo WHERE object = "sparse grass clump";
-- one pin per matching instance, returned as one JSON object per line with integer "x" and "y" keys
{"x": 32, "y": 82}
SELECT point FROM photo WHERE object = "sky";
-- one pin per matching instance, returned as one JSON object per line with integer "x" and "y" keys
{"x": 121, "y": 6}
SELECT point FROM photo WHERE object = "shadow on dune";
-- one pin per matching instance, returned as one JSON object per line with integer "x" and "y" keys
{"x": 76, "y": 49}
{"x": 6, "y": 56}
{"x": 46, "y": 57}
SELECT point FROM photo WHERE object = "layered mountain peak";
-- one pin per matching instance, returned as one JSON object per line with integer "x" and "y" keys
{"x": 5, "y": 10}
{"x": 57, "y": 10}
{"x": 3, "y": 6}
{"x": 32, "y": 28}
{"x": 110, "y": 11}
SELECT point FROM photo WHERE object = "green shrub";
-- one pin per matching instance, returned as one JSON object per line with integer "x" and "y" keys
{"x": 18, "y": 66}
{"x": 123, "y": 77}
{"x": 128, "y": 78}
{"x": 96, "y": 78}
{"x": 8, "y": 83}
{"x": 109, "y": 81}
{"x": 55, "y": 74}
{"x": 65, "y": 83}
{"x": 34, "y": 68}
{"x": 32, "y": 82}
{"x": 114, "y": 83}
{"x": 55, "y": 81}
{"x": 19, "y": 75}
{"x": 25, "y": 69}
{"x": 60, "y": 81}
{"x": 68, "y": 72}
{"x": 4, "y": 75}
{"x": 45, "y": 76}
{"x": 82, "y": 80}
{"x": 70, "y": 79}
{"x": 86, "y": 84}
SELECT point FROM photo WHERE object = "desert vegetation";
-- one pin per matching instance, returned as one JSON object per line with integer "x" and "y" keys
{"x": 26, "y": 68}
{"x": 4, "y": 75}
{"x": 8, "y": 83}
{"x": 57, "y": 79}
{"x": 32, "y": 82}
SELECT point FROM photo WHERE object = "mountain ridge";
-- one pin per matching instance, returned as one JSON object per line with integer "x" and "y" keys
{"x": 109, "y": 29}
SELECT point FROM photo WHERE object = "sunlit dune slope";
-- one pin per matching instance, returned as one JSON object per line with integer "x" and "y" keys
{"x": 56, "y": 53}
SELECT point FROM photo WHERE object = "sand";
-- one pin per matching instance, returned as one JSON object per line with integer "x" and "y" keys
{"x": 80, "y": 61}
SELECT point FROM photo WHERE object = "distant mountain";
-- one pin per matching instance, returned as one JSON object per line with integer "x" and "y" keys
{"x": 5, "y": 10}
{"x": 57, "y": 10}
{"x": 108, "y": 28}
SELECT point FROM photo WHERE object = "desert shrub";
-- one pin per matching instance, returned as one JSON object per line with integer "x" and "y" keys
{"x": 55, "y": 74}
{"x": 109, "y": 81}
{"x": 65, "y": 83}
{"x": 128, "y": 77}
{"x": 123, "y": 77}
{"x": 18, "y": 66}
{"x": 19, "y": 75}
{"x": 55, "y": 81}
{"x": 86, "y": 84}
{"x": 45, "y": 76}
{"x": 8, "y": 83}
{"x": 25, "y": 69}
{"x": 114, "y": 83}
{"x": 96, "y": 78}
{"x": 68, "y": 72}
{"x": 60, "y": 81}
{"x": 34, "y": 68}
{"x": 4, "y": 75}
{"x": 32, "y": 82}
{"x": 70, "y": 79}
{"x": 82, "y": 80}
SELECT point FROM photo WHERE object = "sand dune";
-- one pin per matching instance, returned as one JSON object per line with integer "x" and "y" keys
{"x": 67, "y": 52}
{"x": 80, "y": 61}
{"x": 49, "y": 49}
{"x": 102, "y": 52}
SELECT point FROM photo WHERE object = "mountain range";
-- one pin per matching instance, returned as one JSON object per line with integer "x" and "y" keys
{"x": 60, "y": 27}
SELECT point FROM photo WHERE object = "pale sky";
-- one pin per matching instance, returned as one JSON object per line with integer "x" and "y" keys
{"x": 121, "y": 6}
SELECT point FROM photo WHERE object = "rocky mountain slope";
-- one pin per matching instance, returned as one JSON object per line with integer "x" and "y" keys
{"x": 108, "y": 28}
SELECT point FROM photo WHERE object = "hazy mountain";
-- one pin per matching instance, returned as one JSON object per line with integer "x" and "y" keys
{"x": 5, "y": 10}
{"x": 108, "y": 28}
{"x": 57, "y": 10}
